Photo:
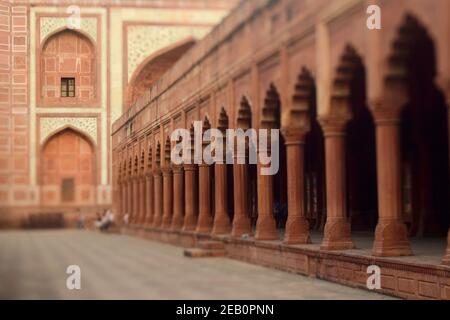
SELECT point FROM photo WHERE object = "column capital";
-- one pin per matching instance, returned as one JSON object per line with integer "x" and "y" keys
{"x": 166, "y": 170}
{"x": 177, "y": 169}
{"x": 386, "y": 112}
{"x": 190, "y": 167}
{"x": 333, "y": 126}
{"x": 294, "y": 135}
{"x": 157, "y": 171}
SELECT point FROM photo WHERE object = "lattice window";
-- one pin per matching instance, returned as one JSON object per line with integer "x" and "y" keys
{"x": 67, "y": 87}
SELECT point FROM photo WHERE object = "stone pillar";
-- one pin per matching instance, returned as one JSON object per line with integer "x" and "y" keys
{"x": 297, "y": 226}
{"x": 190, "y": 189}
{"x": 124, "y": 192}
{"x": 205, "y": 221}
{"x": 158, "y": 188}
{"x": 150, "y": 193}
{"x": 143, "y": 200}
{"x": 241, "y": 221}
{"x": 337, "y": 235}
{"x": 168, "y": 198}
{"x": 130, "y": 199}
{"x": 118, "y": 204}
{"x": 446, "y": 90}
{"x": 221, "y": 218}
{"x": 265, "y": 226}
{"x": 391, "y": 237}
{"x": 446, "y": 259}
{"x": 136, "y": 200}
{"x": 178, "y": 199}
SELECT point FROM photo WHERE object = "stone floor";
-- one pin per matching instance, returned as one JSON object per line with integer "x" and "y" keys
{"x": 33, "y": 265}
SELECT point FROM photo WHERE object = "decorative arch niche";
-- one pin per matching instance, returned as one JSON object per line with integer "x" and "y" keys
{"x": 66, "y": 55}
{"x": 68, "y": 169}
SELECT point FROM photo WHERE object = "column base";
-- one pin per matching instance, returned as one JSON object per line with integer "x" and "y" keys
{"x": 337, "y": 236}
{"x": 177, "y": 223}
{"x": 297, "y": 231}
{"x": 240, "y": 227}
{"x": 204, "y": 224}
{"x": 157, "y": 222}
{"x": 190, "y": 223}
{"x": 391, "y": 239}
{"x": 221, "y": 225}
{"x": 266, "y": 229}
{"x": 166, "y": 223}
{"x": 446, "y": 259}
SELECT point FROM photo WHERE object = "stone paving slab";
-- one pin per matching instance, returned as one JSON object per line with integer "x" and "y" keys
{"x": 33, "y": 266}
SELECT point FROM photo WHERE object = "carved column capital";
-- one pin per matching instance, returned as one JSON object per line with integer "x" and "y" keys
{"x": 294, "y": 135}
{"x": 333, "y": 126}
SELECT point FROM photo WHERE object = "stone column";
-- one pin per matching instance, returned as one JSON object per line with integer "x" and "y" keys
{"x": 178, "y": 199}
{"x": 136, "y": 200}
{"x": 446, "y": 259}
{"x": 297, "y": 226}
{"x": 118, "y": 204}
{"x": 265, "y": 226}
{"x": 158, "y": 188}
{"x": 190, "y": 189}
{"x": 205, "y": 221}
{"x": 337, "y": 235}
{"x": 241, "y": 221}
{"x": 446, "y": 90}
{"x": 391, "y": 237}
{"x": 221, "y": 218}
{"x": 150, "y": 193}
{"x": 123, "y": 194}
{"x": 130, "y": 199}
{"x": 143, "y": 200}
{"x": 168, "y": 198}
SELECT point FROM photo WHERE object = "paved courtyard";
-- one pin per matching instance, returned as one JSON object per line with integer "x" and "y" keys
{"x": 33, "y": 266}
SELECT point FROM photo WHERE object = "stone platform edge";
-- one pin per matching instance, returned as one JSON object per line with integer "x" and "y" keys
{"x": 398, "y": 278}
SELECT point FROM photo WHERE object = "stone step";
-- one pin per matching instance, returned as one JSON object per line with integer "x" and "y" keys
{"x": 204, "y": 253}
{"x": 211, "y": 245}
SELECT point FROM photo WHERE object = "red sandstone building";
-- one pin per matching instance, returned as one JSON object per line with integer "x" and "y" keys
{"x": 87, "y": 109}
{"x": 68, "y": 69}
{"x": 364, "y": 122}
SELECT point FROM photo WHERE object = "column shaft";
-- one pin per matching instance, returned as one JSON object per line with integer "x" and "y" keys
{"x": 221, "y": 218}
{"x": 178, "y": 198}
{"x": 150, "y": 200}
{"x": 124, "y": 199}
{"x": 168, "y": 198}
{"x": 158, "y": 188}
{"x": 143, "y": 201}
{"x": 265, "y": 226}
{"x": 337, "y": 235}
{"x": 204, "y": 224}
{"x": 391, "y": 238}
{"x": 297, "y": 226}
{"x": 190, "y": 189}
{"x": 241, "y": 221}
{"x": 136, "y": 200}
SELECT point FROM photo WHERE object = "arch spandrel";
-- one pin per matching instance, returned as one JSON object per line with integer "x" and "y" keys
{"x": 51, "y": 126}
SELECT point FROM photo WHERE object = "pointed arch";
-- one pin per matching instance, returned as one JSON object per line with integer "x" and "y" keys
{"x": 153, "y": 67}
{"x": 244, "y": 114}
{"x": 411, "y": 81}
{"x": 271, "y": 111}
{"x": 158, "y": 155}
{"x": 167, "y": 150}
{"x": 222, "y": 121}
{"x": 149, "y": 159}
{"x": 68, "y": 172}
{"x": 68, "y": 55}
{"x": 349, "y": 67}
